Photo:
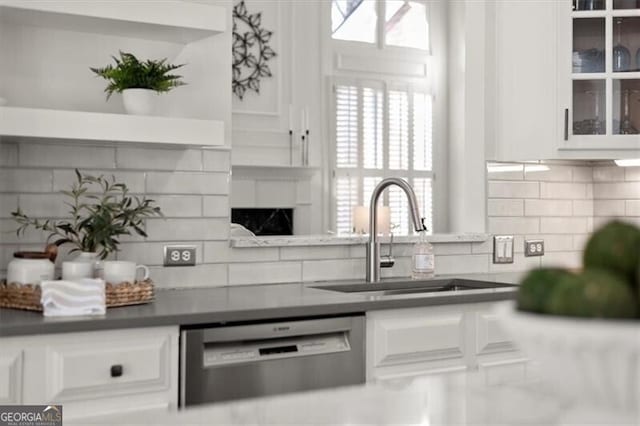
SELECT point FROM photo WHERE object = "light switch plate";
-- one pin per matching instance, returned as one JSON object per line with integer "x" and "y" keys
{"x": 503, "y": 249}
{"x": 534, "y": 248}
{"x": 179, "y": 255}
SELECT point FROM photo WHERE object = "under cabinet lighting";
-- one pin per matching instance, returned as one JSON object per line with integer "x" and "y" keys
{"x": 629, "y": 162}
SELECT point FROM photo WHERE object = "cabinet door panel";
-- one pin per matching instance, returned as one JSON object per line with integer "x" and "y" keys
{"x": 417, "y": 336}
{"x": 10, "y": 376}
{"x": 525, "y": 50}
{"x": 490, "y": 337}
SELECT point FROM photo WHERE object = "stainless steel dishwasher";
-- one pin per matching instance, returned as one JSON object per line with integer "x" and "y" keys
{"x": 242, "y": 361}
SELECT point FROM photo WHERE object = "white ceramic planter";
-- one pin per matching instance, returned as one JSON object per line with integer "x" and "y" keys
{"x": 140, "y": 101}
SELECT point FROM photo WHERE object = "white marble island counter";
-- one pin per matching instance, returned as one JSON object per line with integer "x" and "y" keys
{"x": 448, "y": 399}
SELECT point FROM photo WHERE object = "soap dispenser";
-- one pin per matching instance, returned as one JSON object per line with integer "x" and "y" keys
{"x": 423, "y": 257}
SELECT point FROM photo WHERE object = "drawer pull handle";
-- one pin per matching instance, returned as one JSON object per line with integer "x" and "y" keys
{"x": 116, "y": 370}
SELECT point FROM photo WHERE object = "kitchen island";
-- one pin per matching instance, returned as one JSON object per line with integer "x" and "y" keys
{"x": 447, "y": 399}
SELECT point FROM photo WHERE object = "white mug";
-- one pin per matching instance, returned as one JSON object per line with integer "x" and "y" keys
{"x": 119, "y": 271}
{"x": 77, "y": 270}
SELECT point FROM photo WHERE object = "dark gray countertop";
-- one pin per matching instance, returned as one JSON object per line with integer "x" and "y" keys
{"x": 244, "y": 303}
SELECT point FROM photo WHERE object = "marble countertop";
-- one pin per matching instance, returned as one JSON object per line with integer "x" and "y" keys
{"x": 450, "y": 399}
{"x": 245, "y": 303}
{"x": 333, "y": 240}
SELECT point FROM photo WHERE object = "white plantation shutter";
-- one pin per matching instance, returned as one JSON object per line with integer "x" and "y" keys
{"x": 372, "y": 119}
{"x": 398, "y": 130}
{"x": 347, "y": 111}
{"x": 381, "y": 133}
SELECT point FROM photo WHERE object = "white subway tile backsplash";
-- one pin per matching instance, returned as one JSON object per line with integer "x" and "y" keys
{"x": 514, "y": 225}
{"x": 559, "y": 190}
{"x": 520, "y": 263}
{"x": 8, "y": 235}
{"x": 505, "y": 171}
{"x": 216, "y": 161}
{"x": 632, "y": 173}
{"x": 570, "y": 259}
{"x": 221, "y": 252}
{"x": 63, "y": 179}
{"x": 582, "y": 174}
{"x": 447, "y": 249}
{"x": 617, "y": 191}
{"x": 632, "y": 208}
{"x": 609, "y": 207}
{"x": 8, "y": 154}
{"x": 548, "y": 207}
{"x": 563, "y": 225}
{"x": 206, "y": 275}
{"x": 275, "y": 193}
{"x": 553, "y": 242}
{"x": 187, "y": 183}
{"x": 152, "y": 254}
{"x": 159, "y": 159}
{"x": 548, "y": 174}
{"x": 314, "y": 253}
{"x": 25, "y": 180}
{"x": 215, "y": 206}
{"x": 608, "y": 174}
{"x": 475, "y": 263}
{"x": 187, "y": 229}
{"x": 338, "y": 269}
{"x": 499, "y": 189}
{"x": 505, "y": 207}
{"x": 580, "y": 241}
{"x": 179, "y": 205}
{"x": 8, "y": 204}
{"x": 243, "y": 193}
{"x": 265, "y": 273}
{"x": 45, "y": 205}
{"x": 76, "y": 155}
{"x": 583, "y": 207}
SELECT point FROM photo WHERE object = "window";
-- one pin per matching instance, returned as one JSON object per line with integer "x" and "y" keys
{"x": 382, "y": 107}
{"x": 381, "y": 130}
{"x": 405, "y": 23}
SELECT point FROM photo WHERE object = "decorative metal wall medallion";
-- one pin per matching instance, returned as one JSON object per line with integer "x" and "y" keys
{"x": 251, "y": 51}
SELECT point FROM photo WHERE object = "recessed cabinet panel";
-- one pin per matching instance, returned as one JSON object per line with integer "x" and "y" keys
{"x": 626, "y": 44}
{"x": 626, "y": 4}
{"x": 11, "y": 376}
{"x": 589, "y": 107}
{"x": 626, "y": 107}
{"x": 588, "y": 5}
{"x": 588, "y": 45}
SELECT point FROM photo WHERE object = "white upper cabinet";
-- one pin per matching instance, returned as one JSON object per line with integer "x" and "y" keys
{"x": 599, "y": 78}
{"x": 47, "y": 49}
{"x": 521, "y": 44}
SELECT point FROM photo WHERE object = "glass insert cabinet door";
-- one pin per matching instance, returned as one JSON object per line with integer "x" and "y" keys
{"x": 605, "y": 72}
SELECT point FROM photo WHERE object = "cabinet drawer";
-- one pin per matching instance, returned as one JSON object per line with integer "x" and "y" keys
{"x": 10, "y": 376}
{"x": 107, "y": 364}
{"x": 411, "y": 336}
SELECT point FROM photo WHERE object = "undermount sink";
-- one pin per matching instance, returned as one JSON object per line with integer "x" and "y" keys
{"x": 409, "y": 287}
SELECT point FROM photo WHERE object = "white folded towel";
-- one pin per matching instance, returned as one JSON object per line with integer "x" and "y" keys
{"x": 68, "y": 298}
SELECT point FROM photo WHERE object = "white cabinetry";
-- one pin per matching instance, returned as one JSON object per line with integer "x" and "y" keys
{"x": 408, "y": 342}
{"x": 521, "y": 45}
{"x": 47, "y": 48}
{"x": 598, "y": 79}
{"x": 93, "y": 374}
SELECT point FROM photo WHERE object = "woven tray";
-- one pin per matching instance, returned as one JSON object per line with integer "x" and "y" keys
{"x": 27, "y": 296}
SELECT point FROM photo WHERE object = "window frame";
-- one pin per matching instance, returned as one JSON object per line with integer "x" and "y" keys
{"x": 434, "y": 83}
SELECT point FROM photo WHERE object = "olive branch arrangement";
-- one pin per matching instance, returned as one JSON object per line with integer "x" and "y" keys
{"x": 98, "y": 219}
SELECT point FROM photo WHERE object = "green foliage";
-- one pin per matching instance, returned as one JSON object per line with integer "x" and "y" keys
{"x": 130, "y": 73}
{"x": 98, "y": 218}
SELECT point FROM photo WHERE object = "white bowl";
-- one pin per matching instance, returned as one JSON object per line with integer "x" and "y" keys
{"x": 585, "y": 360}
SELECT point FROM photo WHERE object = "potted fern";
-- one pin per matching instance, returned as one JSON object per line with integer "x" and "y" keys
{"x": 101, "y": 211}
{"x": 139, "y": 81}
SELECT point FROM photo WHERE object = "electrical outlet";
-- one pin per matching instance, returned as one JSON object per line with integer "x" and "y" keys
{"x": 179, "y": 255}
{"x": 503, "y": 249}
{"x": 534, "y": 248}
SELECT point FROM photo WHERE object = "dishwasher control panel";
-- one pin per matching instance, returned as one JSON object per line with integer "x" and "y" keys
{"x": 216, "y": 354}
